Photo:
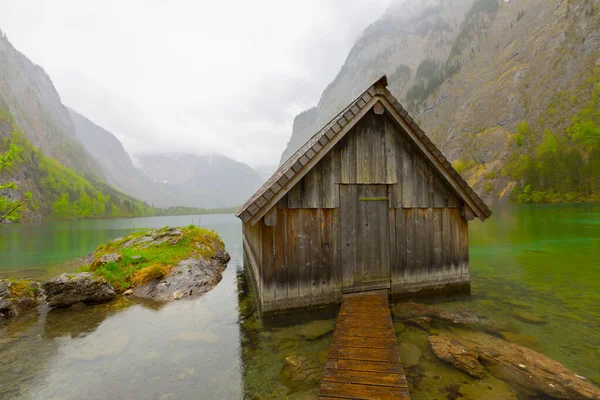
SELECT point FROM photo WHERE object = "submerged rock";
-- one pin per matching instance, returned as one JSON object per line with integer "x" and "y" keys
{"x": 67, "y": 290}
{"x": 422, "y": 322}
{"x": 191, "y": 277}
{"x": 436, "y": 380}
{"x": 530, "y": 318}
{"x": 452, "y": 352}
{"x": 316, "y": 329}
{"x": 410, "y": 354}
{"x": 300, "y": 373}
{"x": 530, "y": 372}
{"x": 413, "y": 312}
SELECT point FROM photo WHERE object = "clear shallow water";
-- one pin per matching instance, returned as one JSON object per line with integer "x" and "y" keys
{"x": 543, "y": 260}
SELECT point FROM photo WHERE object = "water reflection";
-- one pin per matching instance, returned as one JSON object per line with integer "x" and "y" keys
{"x": 528, "y": 262}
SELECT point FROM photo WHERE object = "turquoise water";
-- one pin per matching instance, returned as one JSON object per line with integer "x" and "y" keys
{"x": 541, "y": 260}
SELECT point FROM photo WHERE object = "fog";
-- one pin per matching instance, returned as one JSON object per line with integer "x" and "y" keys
{"x": 186, "y": 75}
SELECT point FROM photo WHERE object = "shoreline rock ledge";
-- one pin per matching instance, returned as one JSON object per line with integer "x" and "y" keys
{"x": 66, "y": 290}
{"x": 532, "y": 373}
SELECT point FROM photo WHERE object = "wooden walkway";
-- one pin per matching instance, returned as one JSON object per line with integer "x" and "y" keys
{"x": 364, "y": 360}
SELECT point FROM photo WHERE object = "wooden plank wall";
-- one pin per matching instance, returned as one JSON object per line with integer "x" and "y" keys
{"x": 431, "y": 249}
{"x": 375, "y": 151}
{"x": 299, "y": 259}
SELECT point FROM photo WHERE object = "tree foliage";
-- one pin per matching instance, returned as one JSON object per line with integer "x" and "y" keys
{"x": 10, "y": 209}
{"x": 561, "y": 166}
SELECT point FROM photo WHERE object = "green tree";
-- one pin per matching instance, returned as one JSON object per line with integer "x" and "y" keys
{"x": 62, "y": 207}
{"x": 9, "y": 209}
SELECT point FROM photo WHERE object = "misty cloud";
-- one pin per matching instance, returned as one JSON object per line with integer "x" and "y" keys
{"x": 187, "y": 75}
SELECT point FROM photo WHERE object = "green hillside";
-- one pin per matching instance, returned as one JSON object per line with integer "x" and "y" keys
{"x": 57, "y": 191}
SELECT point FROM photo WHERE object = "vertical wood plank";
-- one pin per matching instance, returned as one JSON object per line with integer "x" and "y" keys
{"x": 408, "y": 179}
{"x": 393, "y": 246}
{"x": 428, "y": 246}
{"x": 304, "y": 253}
{"x": 456, "y": 236}
{"x": 420, "y": 241}
{"x": 292, "y": 253}
{"x": 312, "y": 188}
{"x": 437, "y": 238}
{"x": 327, "y": 243}
{"x": 268, "y": 261}
{"x": 280, "y": 273}
{"x": 411, "y": 256}
{"x": 381, "y": 147}
{"x": 337, "y": 279}
{"x": 446, "y": 239}
{"x": 347, "y": 194}
{"x": 390, "y": 152}
{"x": 464, "y": 228}
{"x": 348, "y": 157}
{"x": 295, "y": 195}
{"x": 400, "y": 246}
{"x": 315, "y": 253}
{"x": 327, "y": 181}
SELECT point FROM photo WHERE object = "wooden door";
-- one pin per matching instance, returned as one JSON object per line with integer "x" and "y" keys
{"x": 365, "y": 237}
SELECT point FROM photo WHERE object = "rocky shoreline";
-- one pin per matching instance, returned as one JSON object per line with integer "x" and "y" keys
{"x": 163, "y": 265}
{"x": 481, "y": 347}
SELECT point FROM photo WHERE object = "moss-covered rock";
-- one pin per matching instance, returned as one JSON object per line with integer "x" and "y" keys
{"x": 17, "y": 296}
{"x": 161, "y": 264}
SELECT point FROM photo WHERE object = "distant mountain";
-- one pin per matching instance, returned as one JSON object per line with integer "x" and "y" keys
{"x": 117, "y": 166}
{"x": 508, "y": 89}
{"x": 208, "y": 181}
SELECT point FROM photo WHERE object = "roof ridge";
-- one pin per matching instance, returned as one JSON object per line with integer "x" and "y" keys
{"x": 309, "y": 144}
{"x": 305, "y": 153}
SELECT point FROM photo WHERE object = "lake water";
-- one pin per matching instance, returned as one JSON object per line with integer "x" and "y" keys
{"x": 530, "y": 259}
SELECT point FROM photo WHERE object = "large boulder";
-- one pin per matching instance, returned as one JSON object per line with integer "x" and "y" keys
{"x": 452, "y": 352}
{"x": 530, "y": 372}
{"x": 191, "y": 277}
{"x": 66, "y": 290}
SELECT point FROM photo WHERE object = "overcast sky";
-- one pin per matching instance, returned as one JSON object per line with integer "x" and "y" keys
{"x": 190, "y": 75}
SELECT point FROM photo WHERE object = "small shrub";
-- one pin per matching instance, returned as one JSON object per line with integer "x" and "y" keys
{"x": 150, "y": 273}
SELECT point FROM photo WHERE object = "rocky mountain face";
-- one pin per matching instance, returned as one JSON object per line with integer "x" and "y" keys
{"x": 407, "y": 34}
{"x": 506, "y": 89}
{"x": 208, "y": 181}
{"x": 27, "y": 92}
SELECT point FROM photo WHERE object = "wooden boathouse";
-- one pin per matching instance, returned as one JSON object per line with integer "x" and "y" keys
{"x": 368, "y": 203}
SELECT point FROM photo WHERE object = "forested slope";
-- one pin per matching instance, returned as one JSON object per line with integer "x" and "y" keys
{"x": 57, "y": 191}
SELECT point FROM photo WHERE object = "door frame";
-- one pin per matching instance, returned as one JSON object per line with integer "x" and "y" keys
{"x": 349, "y": 282}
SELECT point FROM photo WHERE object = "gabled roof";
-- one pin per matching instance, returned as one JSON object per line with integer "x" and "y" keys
{"x": 302, "y": 161}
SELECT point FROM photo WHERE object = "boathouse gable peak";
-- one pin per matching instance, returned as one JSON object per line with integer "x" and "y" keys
{"x": 378, "y": 99}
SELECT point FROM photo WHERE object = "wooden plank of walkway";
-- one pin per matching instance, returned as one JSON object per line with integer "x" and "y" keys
{"x": 364, "y": 360}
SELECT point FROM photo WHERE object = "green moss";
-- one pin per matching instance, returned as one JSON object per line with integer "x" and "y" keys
{"x": 142, "y": 263}
{"x": 461, "y": 166}
{"x": 21, "y": 288}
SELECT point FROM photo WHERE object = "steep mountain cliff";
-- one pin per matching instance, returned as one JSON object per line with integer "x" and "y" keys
{"x": 396, "y": 45}
{"x": 209, "y": 181}
{"x": 507, "y": 89}
{"x": 27, "y": 92}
